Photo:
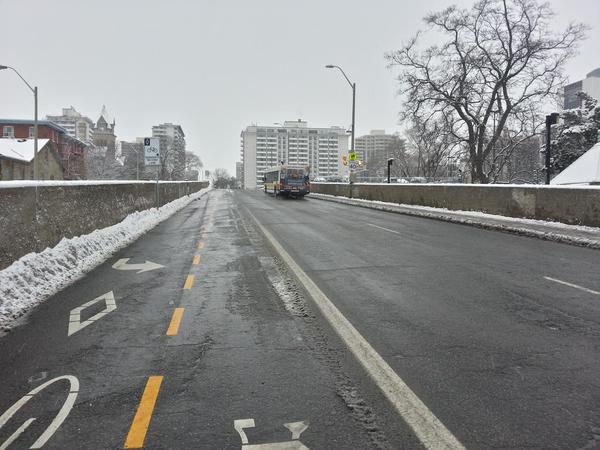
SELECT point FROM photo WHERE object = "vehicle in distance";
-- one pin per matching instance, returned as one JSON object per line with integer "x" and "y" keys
{"x": 288, "y": 180}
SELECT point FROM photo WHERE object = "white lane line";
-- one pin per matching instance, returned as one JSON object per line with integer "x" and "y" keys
{"x": 13, "y": 437}
{"x": 576, "y": 286}
{"x": 428, "y": 428}
{"x": 382, "y": 228}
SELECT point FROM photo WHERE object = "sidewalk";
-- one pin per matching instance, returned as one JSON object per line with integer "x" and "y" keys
{"x": 551, "y": 231}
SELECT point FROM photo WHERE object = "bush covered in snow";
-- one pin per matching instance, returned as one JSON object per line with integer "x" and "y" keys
{"x": 576, "y": 133}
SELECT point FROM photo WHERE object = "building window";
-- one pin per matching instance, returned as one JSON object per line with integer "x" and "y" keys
{"x": 9, "y": 132}
{"x": 31, "y": 132}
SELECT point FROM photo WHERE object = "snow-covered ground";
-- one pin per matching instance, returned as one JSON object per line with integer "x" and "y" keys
{"x": 36, "y": 276}
{"x": 553, "y": 231}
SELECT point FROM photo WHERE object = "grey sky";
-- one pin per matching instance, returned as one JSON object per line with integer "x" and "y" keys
{"x": 216, "y": 66}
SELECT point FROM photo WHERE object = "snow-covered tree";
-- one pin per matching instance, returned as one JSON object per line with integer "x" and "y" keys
{"x": 98, "y": 167}
{"x": 576, "y": 133}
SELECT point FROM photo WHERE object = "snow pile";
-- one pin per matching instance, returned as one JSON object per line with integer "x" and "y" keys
{"x": 553, "y": 231}
{"x": 36, "y": 276}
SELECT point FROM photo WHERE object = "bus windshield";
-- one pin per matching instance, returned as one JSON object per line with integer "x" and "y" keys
{"x": 294, "y": 173}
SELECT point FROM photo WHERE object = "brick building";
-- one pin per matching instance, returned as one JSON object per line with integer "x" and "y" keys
{"x": 70, "y": 150}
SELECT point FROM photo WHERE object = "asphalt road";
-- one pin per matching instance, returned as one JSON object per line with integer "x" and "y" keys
{"x": 222, "y": 348}
{"x": 478, "y": 323}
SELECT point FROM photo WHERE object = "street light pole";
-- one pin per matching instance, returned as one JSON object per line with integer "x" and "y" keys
{"x": 35, "y": 119}
{"x": 353, "y": 86}
{"x": 551, "y": 119}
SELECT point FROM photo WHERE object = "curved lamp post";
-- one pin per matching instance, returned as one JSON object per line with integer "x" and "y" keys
{"x": 353, "y": 86}
{"x": 35, "y": 119}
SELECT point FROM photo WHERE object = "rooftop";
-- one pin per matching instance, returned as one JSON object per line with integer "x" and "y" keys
{"x": 19, "y": 149}
{"x": 46, "y": 123}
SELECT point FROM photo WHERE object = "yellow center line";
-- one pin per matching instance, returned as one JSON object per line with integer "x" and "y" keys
{"x": 189, "y": 281}
{"x": 200, "y": 245}
{"x": 141, "y": 421}
{"x": 175, "y": 322}
{"x": 196, "y": 260}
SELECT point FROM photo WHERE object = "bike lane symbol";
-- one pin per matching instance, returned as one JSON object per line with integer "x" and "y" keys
{"x": 56, "y": 422}
{"x": 296, "y": 428}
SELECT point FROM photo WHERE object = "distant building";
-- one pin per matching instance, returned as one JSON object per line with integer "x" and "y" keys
{"x": 372, "y": 149}
{"x": 590, "y": 85}
{"x": 172, "y": 150}
{"x": 104, "y": 135}
{"x": 293, "y": 142}
{"x": 16, "y": 160}
{"x": 239, "y": 174}
{"x": 77, "y": 126}
{"x": 70, "y": 150}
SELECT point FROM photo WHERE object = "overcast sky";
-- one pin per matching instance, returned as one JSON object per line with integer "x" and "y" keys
{"x": 215, "y": 67}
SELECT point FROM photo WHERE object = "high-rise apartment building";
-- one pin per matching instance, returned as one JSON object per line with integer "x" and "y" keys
{"x": 77, "y": 126}
{"x": 172, "y": 150}
{"x": 263, "y": 147}
{"x": 590, "y": 85}
{"x": 372, "y": 148}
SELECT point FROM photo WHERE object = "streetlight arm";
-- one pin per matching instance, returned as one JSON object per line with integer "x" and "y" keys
{"x": 16, "y": 71}
{"x": 343, "y": 73}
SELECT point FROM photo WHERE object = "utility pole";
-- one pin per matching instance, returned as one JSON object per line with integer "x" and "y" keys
{"x": 353, "y": 86}
{"x": 35, "y": 120}
{"x": 551, "y": 119}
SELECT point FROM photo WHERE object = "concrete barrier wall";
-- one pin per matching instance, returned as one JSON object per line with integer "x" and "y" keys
{"x": 33, "y": 218}
{"x": 571, "y": 205}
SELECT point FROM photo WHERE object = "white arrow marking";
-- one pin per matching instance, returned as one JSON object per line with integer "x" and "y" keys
{"x": 296, "y": 428}
{"x": 146, "y": 267}
{"x": 75, "y": 323}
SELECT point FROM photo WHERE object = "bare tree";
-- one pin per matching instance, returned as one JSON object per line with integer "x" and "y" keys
{"x": 221, "y": 179}
{"x": 430, "y": 144}
{"x": 192, "y": 162}
{"x": 499, "y": 59}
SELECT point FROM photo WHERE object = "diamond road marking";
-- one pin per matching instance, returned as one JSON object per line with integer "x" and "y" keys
{"x": 75, "y": 323}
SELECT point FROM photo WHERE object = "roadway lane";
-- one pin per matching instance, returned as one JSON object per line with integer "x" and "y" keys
{"x": 478, "y": 323}
{"x": 219, "y": 334}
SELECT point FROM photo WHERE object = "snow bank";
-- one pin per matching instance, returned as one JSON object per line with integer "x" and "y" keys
{"x": 36, "y": 276}
{"x": 468, "y": 185}
{"x": 553, "y": 231}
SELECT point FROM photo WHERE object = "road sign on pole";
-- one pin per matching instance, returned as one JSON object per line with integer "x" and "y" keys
{"x": 152, "y": 151}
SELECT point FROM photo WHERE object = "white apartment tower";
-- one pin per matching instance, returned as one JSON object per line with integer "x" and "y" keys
{"x": 77, "y": 126}
{"x": 172, "y": 149}
{"x": 263, "y": 147}
{"x": 374, "y": 143}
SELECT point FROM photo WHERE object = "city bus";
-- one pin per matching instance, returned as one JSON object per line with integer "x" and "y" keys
{"x": 289, "y": 180}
